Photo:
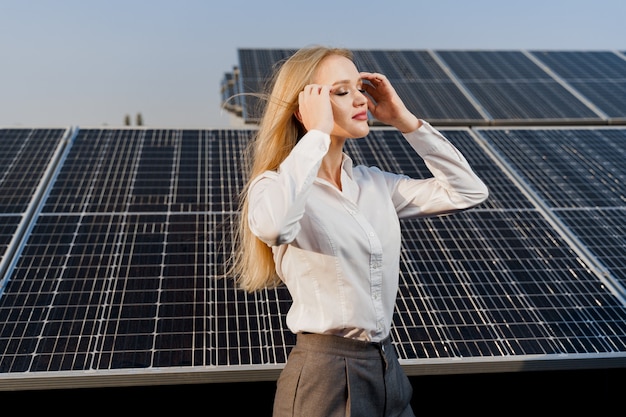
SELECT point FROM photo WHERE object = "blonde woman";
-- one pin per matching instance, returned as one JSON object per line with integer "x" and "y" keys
{"x": 330, "y": 231}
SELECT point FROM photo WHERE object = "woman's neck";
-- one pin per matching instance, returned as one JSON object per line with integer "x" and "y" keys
{"x": 330, "y": 170}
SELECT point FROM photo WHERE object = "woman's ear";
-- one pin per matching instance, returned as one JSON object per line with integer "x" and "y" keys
{"x": 298, "y": 115}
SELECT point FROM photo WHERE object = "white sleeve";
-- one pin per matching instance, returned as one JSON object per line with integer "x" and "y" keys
{"x": 454, "y": 185}
{"x": 276, "y": 199}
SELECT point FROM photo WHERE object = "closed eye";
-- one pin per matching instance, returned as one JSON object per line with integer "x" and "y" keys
{"x": 344, "y": 92}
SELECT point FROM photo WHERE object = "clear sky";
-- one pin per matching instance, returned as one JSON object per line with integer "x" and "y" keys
{"x": 89, "y": 63}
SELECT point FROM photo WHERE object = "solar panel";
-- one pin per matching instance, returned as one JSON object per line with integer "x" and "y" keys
{"x": 495, "y": 284}
{"x": 229, "y": 91}
{"x": 25, "y": 161}
{"x": 498, "y": 280}
{"x": 256, "y": 68}
{"x": 26, "y": 154}
{"x": 474, "y": 87}
{"x": 423, "y": 84}
{"x": 122, "y": 278}
{"x": 575, "y": 168}
{"x": 122, "y": 267}
{"x": 603, "y": 232}
{"x": 579, "y": 175}
{"x": 600, "y": 76}
{"x": 510, "y": 86}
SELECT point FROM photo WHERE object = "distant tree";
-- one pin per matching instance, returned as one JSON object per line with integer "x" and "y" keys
{"x": 127, "y": 120}
{"x": 139, "y": 119}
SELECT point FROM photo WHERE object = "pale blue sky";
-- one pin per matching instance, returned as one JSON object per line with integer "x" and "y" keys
{"x": 88, "y": 63}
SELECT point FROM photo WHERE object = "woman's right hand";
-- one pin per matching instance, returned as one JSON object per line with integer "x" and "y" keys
{"x": 315, "y": 109}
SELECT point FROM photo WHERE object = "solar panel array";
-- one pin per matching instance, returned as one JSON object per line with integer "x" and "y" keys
{"x": 116, "y": 240}
{"x": 475, "y": 87}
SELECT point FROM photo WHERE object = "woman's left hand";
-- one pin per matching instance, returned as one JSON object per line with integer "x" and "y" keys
{"x": 385, "y": 104}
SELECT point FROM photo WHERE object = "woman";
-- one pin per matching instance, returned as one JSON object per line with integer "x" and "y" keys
{"x": 330, "y": 232}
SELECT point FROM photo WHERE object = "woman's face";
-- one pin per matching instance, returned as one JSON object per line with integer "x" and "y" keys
{"x": 348, "y": 101}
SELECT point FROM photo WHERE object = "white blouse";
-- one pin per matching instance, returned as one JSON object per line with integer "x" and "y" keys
{"x": 338, "y": 251}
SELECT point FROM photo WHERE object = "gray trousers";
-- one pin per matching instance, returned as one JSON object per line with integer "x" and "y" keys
{"x": 329, "y": 376}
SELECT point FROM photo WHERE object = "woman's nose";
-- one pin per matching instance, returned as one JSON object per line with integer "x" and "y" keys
{"x": 360, "y": 98}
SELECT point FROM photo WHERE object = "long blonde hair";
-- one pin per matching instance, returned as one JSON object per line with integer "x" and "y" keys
{"x": 253, "y": 264}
